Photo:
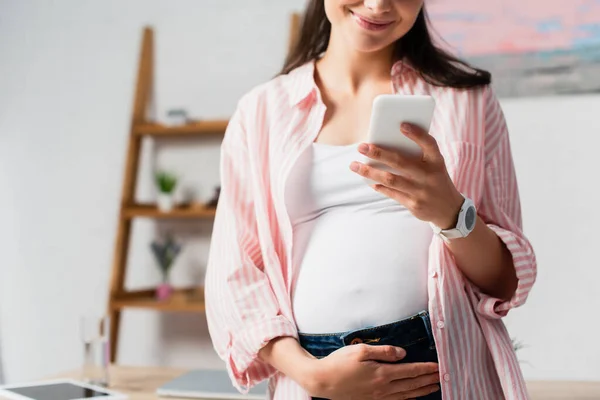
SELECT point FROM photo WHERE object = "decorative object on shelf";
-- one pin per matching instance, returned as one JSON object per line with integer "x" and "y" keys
{"x": 165, "y": 253}
{"x": 166, "y": 183}
{"x": 177, "y": 117}
{"x": 518, "y": 345}
{"x": 215, "y": 199}
{"x": 94, "y": 331}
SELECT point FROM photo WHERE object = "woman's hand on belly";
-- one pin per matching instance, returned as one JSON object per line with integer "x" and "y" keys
{"x": 364, "y": 372}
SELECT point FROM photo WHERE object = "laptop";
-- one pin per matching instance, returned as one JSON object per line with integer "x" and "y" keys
{"x": 209, "y": 385}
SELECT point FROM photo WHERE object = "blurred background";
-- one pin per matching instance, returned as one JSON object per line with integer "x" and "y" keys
{"x": 68, "y": 71}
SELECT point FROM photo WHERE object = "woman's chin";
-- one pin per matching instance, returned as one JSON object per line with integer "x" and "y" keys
{"x": 368, "y": 44}
{"x": 369, "y": 47}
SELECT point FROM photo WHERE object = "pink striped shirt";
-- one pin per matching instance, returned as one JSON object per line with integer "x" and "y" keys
{"x": 249, "y": 276}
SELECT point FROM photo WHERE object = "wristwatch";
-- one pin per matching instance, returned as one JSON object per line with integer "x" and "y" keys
{"x": 467, "y": 216}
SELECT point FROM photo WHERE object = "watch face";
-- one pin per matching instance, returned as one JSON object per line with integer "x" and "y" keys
{"x": 470, "y": 216}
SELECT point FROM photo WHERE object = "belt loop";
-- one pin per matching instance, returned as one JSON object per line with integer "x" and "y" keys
{"x": 427, "y": 323}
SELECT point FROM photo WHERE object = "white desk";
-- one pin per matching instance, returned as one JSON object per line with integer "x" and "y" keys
{"x": 140, "y": 383}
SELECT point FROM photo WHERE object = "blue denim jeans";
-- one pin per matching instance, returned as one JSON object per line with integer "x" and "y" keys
{"x": 413, "y": 334}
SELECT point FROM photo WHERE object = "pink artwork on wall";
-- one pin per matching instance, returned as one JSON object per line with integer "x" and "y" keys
{"x": 553, "y": 44}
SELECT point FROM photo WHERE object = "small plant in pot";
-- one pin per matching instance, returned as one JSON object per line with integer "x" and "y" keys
{"x": 165, "y": 253}
{"x": 177, "y": 117}
{"x": 166, "y": 183}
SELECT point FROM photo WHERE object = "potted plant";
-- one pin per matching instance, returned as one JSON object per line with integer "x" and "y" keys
{"x": 166, "y": 183}
{"x": 177, "y": 117}
{"x": 165, "y": 253}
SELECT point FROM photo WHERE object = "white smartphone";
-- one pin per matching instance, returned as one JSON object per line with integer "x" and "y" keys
{"x": 388, "y": 113}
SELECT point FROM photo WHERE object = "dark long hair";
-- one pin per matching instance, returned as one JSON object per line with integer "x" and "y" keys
{"x": 435, "y": 65}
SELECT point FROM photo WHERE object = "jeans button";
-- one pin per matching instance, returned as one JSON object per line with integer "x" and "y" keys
{"x": 356, "y": 341}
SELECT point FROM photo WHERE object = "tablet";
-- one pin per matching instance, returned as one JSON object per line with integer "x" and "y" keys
{"x": 58, "y": 389}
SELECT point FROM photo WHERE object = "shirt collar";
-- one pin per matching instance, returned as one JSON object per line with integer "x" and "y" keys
{"x": 400, "y": 67}
{"x": 302, "y": 80}
{"x": 302, "y": 83}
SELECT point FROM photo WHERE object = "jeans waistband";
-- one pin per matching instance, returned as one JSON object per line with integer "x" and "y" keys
{"x": 401, "y": 333}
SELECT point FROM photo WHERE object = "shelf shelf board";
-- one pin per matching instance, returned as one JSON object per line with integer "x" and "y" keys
{"x": 212, "y": 127}
{"x": 152, "y": 211}
{"x": 182, "y": 300}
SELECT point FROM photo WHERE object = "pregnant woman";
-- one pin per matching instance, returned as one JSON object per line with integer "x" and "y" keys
{"x": 336, "y": 289}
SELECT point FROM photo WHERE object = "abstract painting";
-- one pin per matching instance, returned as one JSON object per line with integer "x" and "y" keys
{"x": 532, "y": 47}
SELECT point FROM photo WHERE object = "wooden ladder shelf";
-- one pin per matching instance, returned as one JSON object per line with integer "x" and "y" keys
{"x": 183, "y": 300}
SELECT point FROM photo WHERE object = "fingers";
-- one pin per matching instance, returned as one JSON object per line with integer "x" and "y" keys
{"x": 381, "y": 353}
{"x": 414, "y": 394}
{"x": 414, "y": 387}
{"x": 400, "y": 197}
{"x": 421, "y": 137}
{"x": 389, "y": 156}
{"x": 411, "y": 370}
{"x": 416, "y": 383}
{"x": 386, "y": 178}
{"x": 392, "y": 158}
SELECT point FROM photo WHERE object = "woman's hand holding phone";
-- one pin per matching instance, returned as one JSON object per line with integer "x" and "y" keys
{"x": 421, "y": 184}
{"x": 403, "y": 161}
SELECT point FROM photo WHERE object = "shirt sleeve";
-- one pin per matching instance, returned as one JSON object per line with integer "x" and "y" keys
{"x": 242, "y": 310}
{"x": 500, "y": 208}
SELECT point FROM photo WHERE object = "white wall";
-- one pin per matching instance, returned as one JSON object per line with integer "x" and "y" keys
{"x": 555, "y": 144}
{"x": 67, "y": 73}
{"x": 66, "y": 84}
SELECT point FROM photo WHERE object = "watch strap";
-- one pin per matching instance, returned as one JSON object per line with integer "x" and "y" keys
{"x": 446, "y": 234}
{"x": 454, "y": 233}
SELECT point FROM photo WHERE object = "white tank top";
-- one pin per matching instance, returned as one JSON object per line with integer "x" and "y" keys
{"x": 360, "y": 258}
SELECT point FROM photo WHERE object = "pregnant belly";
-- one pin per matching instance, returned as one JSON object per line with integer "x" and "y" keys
{"x": 353, "y": 272}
